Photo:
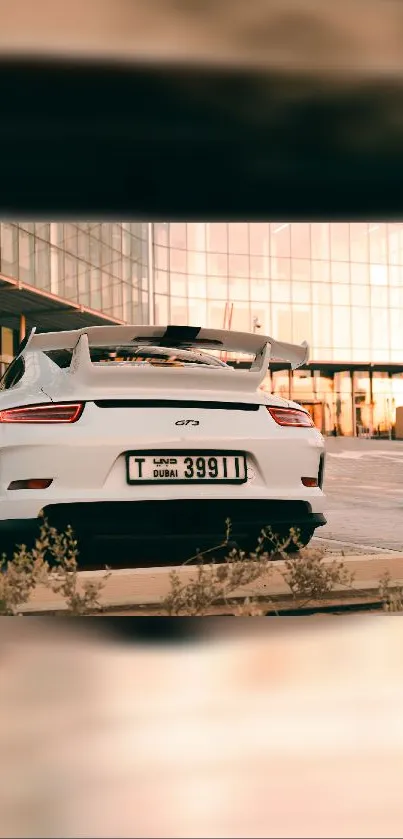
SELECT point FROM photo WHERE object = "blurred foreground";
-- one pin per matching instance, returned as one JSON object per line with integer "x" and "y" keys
{"x": 291, "y": 728}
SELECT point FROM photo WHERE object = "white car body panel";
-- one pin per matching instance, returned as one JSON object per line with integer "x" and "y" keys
{"x": 87, "y": 459}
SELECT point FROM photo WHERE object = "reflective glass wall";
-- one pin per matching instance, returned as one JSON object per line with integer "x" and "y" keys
{"x": 101, "y": 266}
{"x": 339, "y": 286}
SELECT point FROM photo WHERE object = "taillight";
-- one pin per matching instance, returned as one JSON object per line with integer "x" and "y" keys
{"x": 291, "y": 416}
{"x": 31, "y": 483}
{"x": 70, "y": 412}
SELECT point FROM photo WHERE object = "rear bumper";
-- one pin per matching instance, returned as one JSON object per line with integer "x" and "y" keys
{"x": 185, "y": 520}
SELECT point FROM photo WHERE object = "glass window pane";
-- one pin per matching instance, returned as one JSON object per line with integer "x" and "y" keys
{"x": 359, "y": 247}
{"x": 301, "y": 269}
{"x": 95, "y": 285}
{"x": 259, "y": 266}
{"x": 321, "y": 326}
{"x": 196, "y": 262}
{"x": 160, "y": 235}
{"x": 95, "y": 229}
{"x": 378, "y": 274}
{"x": 395, "y": 235}
{"x": 238, "y": 238}
{"x": 360, "y": 295}
{"x": 341, "y": 327}
{"x": 379, "y": 296}
{"x": 116, "y": 265}
{"x": 281, "y": 322}
{"x": 217, "y": 288}
{"x": 300, "y": 292}
{"x": 377, "y": 236}
{"x": 197, "y": 312}
{"x": 178, "y": 284}
{"x": 196, "y": 236}
{"x": 260, "y": 289}
{"x": 217, "y": 237}
{"x": 259, "y": 238}
{"x": 341, "y": 294}
{"x": 117, "y": 300}
{"x": 281, "y": 269}
{"x": 161, "y": 283}
{"x": 301, "y": 240}
{"x": 42, "y": 264}
{"x": 396, "y": 298}
{"x": 238, "y": 289}
{"x": 359, "y": 274}
{"x": 321, "y": 292}
{"x": 106, "y": 289}
{"x": 106, "y": 234}
{"x": 83, "y": 283}
{"x": 161, "y": 257}
{"x": 177, "y": 234}
{"x": 301, "y": 324}
{"x": 216, "y": 314}
{"x": 26, "y": 257}
{"x": 320, "y": 270}
{"x": 177, "y": 260}
{"x": 70, "y": 238}
{"x": 70, "y": 277}
{"x": 42, "y": 229}
{"x": 179, "y": 312}
{"x": 238, "y": 265}
{"x": 380, "y": 330}
{"x": 261, "y": 311}
{"x": 241, "y": 319}
{"x": 95, "y": 252}
{"x": 217, "y": 264}
{"x": 9, "y": 250}
{"x": 116, "y": 239}
{"x": 340, "y": 272}
{"x": 396, "y": 329}
{"x": 395, "y": 275}
{"x": 196, "y": 286}
{"x": 340, "y": 241}
{"x": 280, "y": 291}
{"x": 280, "y": 239}
{"x": 83, "y": 246}
{"x": 161, "y": 309}
{"x": 320, "y": 240}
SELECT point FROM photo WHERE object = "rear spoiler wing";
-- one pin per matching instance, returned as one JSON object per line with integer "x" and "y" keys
{"x": 262, "y": 347}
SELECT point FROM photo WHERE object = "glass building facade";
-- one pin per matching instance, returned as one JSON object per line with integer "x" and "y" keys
{"x": 100, "y": 266}
{"x": 337, "y": 285}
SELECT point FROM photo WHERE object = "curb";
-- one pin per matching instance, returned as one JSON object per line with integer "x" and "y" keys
{"x": 277, "y": 604}
{"x": 141, "y": 591}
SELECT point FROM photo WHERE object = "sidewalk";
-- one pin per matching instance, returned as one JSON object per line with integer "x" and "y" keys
{"x": 144, "y": 589}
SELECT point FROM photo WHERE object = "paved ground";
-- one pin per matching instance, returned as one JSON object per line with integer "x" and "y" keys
{"x": 364, "y": 487}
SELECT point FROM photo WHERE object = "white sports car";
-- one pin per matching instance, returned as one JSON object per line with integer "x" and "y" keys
{"x": 144, "y": 433}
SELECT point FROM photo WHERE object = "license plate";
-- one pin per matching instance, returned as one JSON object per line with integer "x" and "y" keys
{"x": 186, "y": 467}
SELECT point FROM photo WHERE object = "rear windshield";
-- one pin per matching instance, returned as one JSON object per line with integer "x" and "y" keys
{"x": 156, "y": 356}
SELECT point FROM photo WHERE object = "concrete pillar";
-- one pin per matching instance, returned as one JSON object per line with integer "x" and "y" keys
{"x": 22, "y": 327}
